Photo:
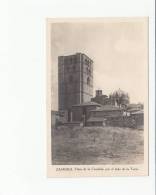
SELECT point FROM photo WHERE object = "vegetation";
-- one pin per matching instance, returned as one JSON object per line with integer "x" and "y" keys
{"x": 96, "y": 145}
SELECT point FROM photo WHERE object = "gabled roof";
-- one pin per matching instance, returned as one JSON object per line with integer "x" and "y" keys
{"x": 87, "y": 104}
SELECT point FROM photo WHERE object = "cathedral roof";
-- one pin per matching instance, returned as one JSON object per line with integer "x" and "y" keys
{"x": 119, "y": 93}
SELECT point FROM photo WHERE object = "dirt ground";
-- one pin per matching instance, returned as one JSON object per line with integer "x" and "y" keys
{"x": 97, "y": 145}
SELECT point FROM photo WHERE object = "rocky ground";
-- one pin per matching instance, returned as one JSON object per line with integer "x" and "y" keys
{"x": 96, "y": 145}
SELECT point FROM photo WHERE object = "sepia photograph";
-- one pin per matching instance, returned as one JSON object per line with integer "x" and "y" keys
{"x": 97, "y": 99}
{"x": 77, "y": 97}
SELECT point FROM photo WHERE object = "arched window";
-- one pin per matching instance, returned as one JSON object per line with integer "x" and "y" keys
{"x": 87, "y": 70}
{"x": 86, "y": 62}
{"x": 88, "y": 81}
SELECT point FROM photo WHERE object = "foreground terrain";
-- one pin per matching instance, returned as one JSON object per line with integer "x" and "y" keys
{"x": 96, "y": 145}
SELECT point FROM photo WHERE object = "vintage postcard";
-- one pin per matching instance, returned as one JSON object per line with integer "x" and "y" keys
{"x": 97, "y": 97}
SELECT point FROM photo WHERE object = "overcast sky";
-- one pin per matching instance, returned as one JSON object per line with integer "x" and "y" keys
{"x": 118, "y": 49}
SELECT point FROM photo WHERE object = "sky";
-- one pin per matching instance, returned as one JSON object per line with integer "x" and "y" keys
{"x": 119, "y": 49}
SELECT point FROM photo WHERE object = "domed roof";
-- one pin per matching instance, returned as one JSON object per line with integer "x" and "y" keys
{"x": 119, "y": 93}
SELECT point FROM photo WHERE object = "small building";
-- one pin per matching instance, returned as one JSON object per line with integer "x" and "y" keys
{"x": 138, "y": 117}
{"x": 134, "y": 107}
{"x": 101, "y": 116}
{"x": 81, "y": 112}
{"x": 107, "y": 111}
{"x": 100, "y": 98}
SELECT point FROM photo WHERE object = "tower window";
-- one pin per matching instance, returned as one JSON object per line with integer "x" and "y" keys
{"x": 86, "y": 62}
{"x": 87, "y": 70}
{"x": 88, "y": 81}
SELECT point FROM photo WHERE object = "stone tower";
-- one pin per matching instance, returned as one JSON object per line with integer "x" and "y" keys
{"x": 75, "y": 80}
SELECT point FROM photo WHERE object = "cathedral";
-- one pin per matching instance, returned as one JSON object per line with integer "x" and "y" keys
{"x": 77, "y": 104}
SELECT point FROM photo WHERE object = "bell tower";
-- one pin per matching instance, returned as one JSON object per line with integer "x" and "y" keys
{"x": 75, "y": 80}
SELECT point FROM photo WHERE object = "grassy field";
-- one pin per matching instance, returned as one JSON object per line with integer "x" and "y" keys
{"x": 96, "y": 145}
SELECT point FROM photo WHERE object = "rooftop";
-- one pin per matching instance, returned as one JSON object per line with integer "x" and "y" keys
{"x": 133, "y": 105}
{"x": 138, "y": 112}
{"x": 120, "y": 92}
{"x": 107, "y": 108}
{"x": 88, "y": 104}
{"x": 133, "y": 109}
{"x": 78, "y": 53}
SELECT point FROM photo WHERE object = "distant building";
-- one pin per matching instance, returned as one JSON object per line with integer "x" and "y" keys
{"x": 110, "y": 115}
{"x": 107, "y": 111}
{"x": 100, "y": 98}
{"x": 134, "y": 106}
{"x": 119, "y": 98}
{"x": 100, "y": 115}
{"x": 81, "y": 112}
{"x": 75, "y": 81}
